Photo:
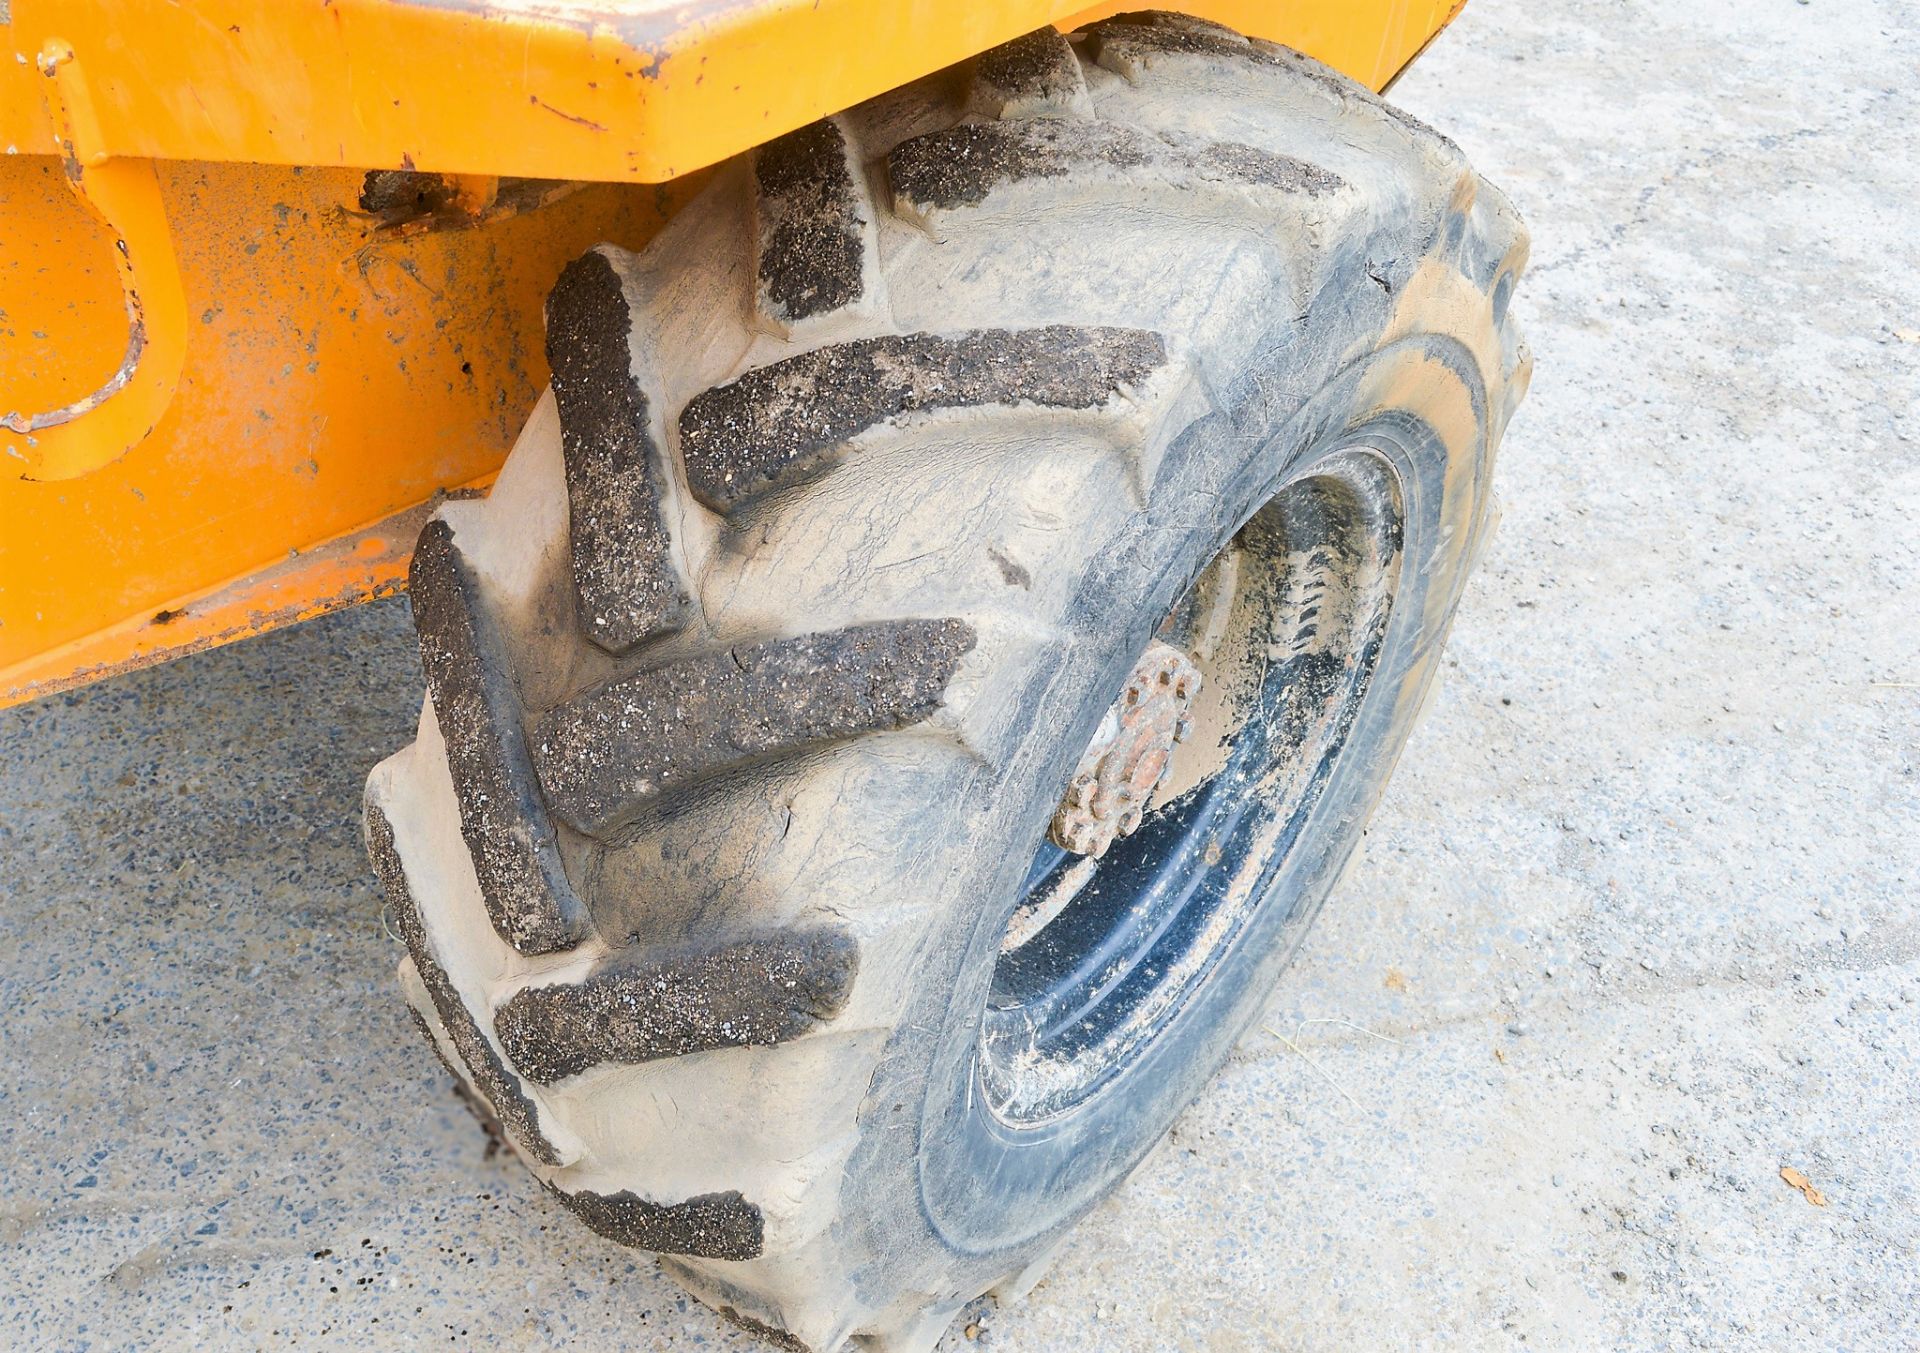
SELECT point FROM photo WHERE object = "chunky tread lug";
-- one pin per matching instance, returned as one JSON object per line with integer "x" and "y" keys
{"x": 1133, "y": 45}
{"x": 516, "y": 1113}
{"x": 709, "y": 1226}
{"x": 616, "y": 750}
{"x": 1033, "y": 76}
{"x": 814, "y": 230}
{"x": 1168, "y": 22}
{"x": 515, "y": 855}
{"x": 780, "y": 424}
{"x": 625, "y": 580}
{"x": 1128, "y": 44}
{"x": 963, "y": 166}
{"x": 1131, "y": 49}
{"x": 749, "y": 994}
{"x": 1205, "y": 253}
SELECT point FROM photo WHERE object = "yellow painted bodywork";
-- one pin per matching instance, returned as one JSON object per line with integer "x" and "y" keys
{"x": 637, "y": 91}
{"x": 269, "y": 382}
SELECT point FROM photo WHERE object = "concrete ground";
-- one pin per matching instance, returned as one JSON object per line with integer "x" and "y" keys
{"x": 1635, "y": 933}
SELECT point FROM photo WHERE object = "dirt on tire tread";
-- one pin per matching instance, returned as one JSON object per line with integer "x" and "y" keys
{"x": 751, "y": 993}
{"x": 515, "y": 1112}
{"x": 664, "y": 757}
{"x": 1037, "y": 75}
{"x": 617, "y": 749}
{"x": 812, "y": 226}
{"x": 779, "y": 424}
{"x": 624, "y": 576}
{"x": 528, "y": 897}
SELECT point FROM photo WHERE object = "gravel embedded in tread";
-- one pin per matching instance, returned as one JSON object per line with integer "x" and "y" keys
{"x": 623, "y": 571}
{"x": 810, "y": 227}
{"x": 515, "y": 856}
{"x": 489, "y": 1075}
{"x": 780, "y": 423}
{"x": 610, "y": 753}
{"x": 748, "y": 994}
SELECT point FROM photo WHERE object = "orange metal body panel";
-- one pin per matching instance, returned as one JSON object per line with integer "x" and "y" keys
{"x": 336, "y": 374}
{"x": 579, "y": 89}
{"x": 310, "y": 377}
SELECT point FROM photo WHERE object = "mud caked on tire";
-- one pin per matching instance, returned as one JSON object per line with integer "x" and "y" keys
{"x": 756, "y": 860}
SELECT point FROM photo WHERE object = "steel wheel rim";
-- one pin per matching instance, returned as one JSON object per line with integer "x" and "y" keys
{"x": 1079, "y": 996}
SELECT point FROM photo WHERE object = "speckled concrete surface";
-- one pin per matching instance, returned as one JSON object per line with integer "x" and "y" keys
{"x": 1636, "y": 927}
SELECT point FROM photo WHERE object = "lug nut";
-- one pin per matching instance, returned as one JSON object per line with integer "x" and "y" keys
{"x": 1107, "y": 796}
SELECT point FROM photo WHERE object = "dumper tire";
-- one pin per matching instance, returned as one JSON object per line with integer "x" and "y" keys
{"x": 758, "y": 683}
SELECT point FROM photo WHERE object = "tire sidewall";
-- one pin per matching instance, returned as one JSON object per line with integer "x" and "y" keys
{"x": 993, "y": 1193}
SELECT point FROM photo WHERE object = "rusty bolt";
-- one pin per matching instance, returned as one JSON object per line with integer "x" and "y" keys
{"x": 1129, "y": 754}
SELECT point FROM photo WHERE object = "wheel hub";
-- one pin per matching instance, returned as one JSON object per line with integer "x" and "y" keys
{"x": 1129, "y": 753}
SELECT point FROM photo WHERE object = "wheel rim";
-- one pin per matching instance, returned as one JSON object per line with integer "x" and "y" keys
{"x": 1286, "y": 624}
